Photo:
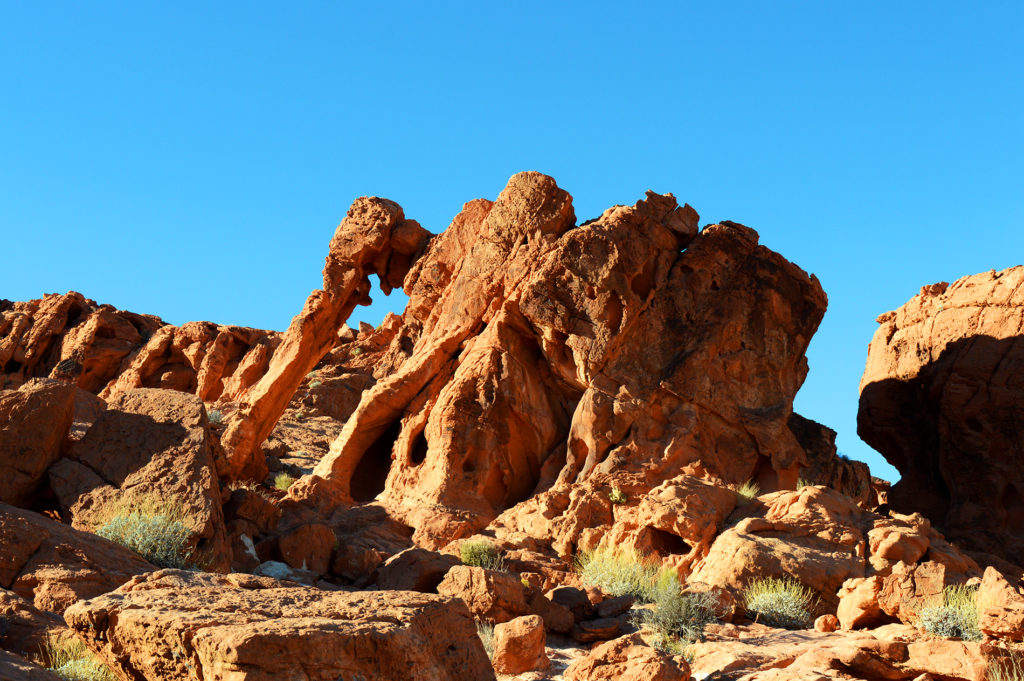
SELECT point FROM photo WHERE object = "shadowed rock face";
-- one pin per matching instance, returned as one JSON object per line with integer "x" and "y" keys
{"x": 941, "y": 400}
{"x": 536, "y": 353}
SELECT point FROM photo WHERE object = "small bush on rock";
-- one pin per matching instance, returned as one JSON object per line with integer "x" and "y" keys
{"x": 68, "y": 658}
{"x": 1010, "y": 668}
{"x": 283, "y": 481}
{"x": 747, "y": 492}
{"x": 617, "y": 496}
{"x": 486, "y": 633}
{"x": 957, "y": 617}
{"x": 783, "y": 603}
{"x": 618, "y": 571}
{"x": 677, "y": 620}
{"x": 157, "y": 532}
{"x": 215, "y": 416}
{"x": 481, "y": 553}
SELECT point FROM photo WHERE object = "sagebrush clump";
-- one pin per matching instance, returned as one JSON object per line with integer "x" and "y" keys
{"x": 956, "y": 617}
{"x": 783, "y": 603}
{"x": 481, "y": 553}
{"x": 619, "y": 571}
{"x": 283, "y": 481}
{"x": 486, "y": 633}
{"x": 155, "y": 531}
{"x": 747, "y": 492}
{"x": 677, "y": 619}
{"x": 69, "y": 658}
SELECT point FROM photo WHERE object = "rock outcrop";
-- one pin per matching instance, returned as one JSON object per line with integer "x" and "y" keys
{"x": 51, "y": 565}
{"x": 151, "y": 449}
{"x": 34, "y": 423}
{"x": 941, "y": 400}
{"x": 535, "y": 352}
{"x": 176, "y": 626}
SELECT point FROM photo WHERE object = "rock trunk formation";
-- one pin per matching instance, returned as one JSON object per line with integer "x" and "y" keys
{"x": 941, "y": 400}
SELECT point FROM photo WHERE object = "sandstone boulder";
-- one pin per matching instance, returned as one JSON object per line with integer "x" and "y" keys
{"x": 628, "y": 659}
{"x": 51, "y": 565}
{"x": 34, "y": 423}
{"x": 939, "y": 399}
{"x": 519, "y": 646}
{"x": 150, "y": 449}
{"x": 490, "y": 595}
{"x": 174, "y": 625}
{"x": 825, "y": 466}
{"x": 17, "y": 668}
{"x": 415, "y": 569}
{"x": 25, "y": 626}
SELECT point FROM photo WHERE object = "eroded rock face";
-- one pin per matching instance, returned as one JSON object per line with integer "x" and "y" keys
{"x": 825, "y": 466}
{"x": 940, "y": 399}
{"x": 150, "y": 447}
{"x": 628, "y": 659}
{"x": 537, "y": 353}
{"x": 174, "y": 625}
{"x": 51, "y": 565}
{"x": 34, "y": 422}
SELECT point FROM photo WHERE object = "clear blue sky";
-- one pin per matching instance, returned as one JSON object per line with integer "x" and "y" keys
{"x": 192, "y": 160}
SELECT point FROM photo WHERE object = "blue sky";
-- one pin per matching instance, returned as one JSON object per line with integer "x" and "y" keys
{"x": 192, "y": 160}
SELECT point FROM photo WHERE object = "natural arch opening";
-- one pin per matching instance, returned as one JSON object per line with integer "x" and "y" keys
{"x": 418, "y": 453}
{"x": 666, "y": 544}
{"x": 371, "y": 472}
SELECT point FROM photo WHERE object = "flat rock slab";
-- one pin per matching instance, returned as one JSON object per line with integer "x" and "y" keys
{"x": 174, "y": 624}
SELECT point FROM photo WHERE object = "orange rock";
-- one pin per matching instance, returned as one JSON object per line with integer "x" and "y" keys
{"x": 939, "y": 398}
{"x": 826, "y": 623}
{"x": 490, "y": 595}
{"x": 1000, "y": 607}
{"x": 34, "y": 422}
{"x": 628, "y": 659}
{"x": 175, "y": 625}
{"x": 51, "y": 565}
{"x": 150, "y": 446}
{"x": 415, "y": 569}
{"x": 17, "y": 668}
{"x": 826, "y": 466}
{"x": 375, "y": 238}
{"x": 24, "y": 626}
{"x": 858, "y": 603}
{"x": 910, "y": 587}
{"x": 519, "y": 646}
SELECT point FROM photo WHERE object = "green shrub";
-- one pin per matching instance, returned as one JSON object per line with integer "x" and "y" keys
{"x": 481, "y": 553}
{"x": 802, "y": 482}
{"x": 677, "y": 620}
{"x": 283, "y": 481}
{"x": 1010, "y": 668}
{"x": 215, "y": 416}
{"x": 957, "y": 617}
{"x": 313, "y": 385}
{"x": 618, "y": 571}
{"x": 69, "y": 658}
{"x": 486, "y": 633}
{"x": 156, "y": 532}
{"x": 781, "y": 603}
{"x": 747, "y": 492}
{"x": 617, "y": 496}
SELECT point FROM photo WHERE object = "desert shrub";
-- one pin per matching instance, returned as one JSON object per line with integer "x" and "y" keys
{"x": 1010, "y": 668}
{"x": 677, "y": 620}
{"x": 617, "y": 496}
{"x": 283, "y": 481}
{"x": 155, "y": 531}
{"x": 68, "y": 658}
{"x": 486, "y": 633}
{"x": 781, "y": 603}
{"x": 803, "y": 482}
{"x": 618, "y": 571}
{"x": 215, "y": 416}
{"x": 481, "y": 553}
{"x": 956, "y": 617}
{"x": 313, "y": 385}
{"x": 747, "y": 492}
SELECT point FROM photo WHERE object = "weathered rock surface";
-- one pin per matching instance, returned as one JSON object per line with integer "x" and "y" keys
{"x": 824, "y": 464}
{"x": 173, "y": 625}
{"x": 34, "y": 423}
{"x": 150, "y": 447}
{"x": 52, "y": 565}
{"x": 17, "y": 668}
{"x": 415, "y": 569}
{"x": 490, "y": 595}
{"x": 628, "y": 659}
{"x": 940, "y": 399}
{"x": 24, "y": 626}
{"x": 519, "y": 646}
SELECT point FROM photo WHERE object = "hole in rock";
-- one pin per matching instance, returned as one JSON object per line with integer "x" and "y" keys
{"x": 372, "y": 470}
{"x": 418, "y": 453}
{"x": 974, "y": 424}
{"x": 667, "y": 544}
{"x": 643, "y": 282}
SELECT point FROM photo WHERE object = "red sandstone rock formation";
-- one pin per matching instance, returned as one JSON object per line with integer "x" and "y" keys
{"x": 34, "y": 423}
{"x": 941, "y": 400}
{"x": 375, "y": 238}
{"x": 535, "y": 352}
{"x": 176, "y": 626}
{"x": 150, "y": 448}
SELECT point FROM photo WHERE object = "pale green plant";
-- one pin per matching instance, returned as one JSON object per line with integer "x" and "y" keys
{"x": 313, "y": 385}
{"x": 802, "y": 482}
{"x": 155, "y": 530}
{"x": 617, "y": 496}
{"x": 618, "y": 571}
{"x": 1010, "y": 668}
{"x": 215, "y": 416}
{"x": 283, "y": 481}
{"x": 69, "y": 658}
{"x": 481, "y": 553}
{"x": 676, "y": 619}
{"x": 783, "y": 603}
{"x": 747, "y": 492}
{"x": 486, "y": 633}
{"x": 956, "y": 616}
